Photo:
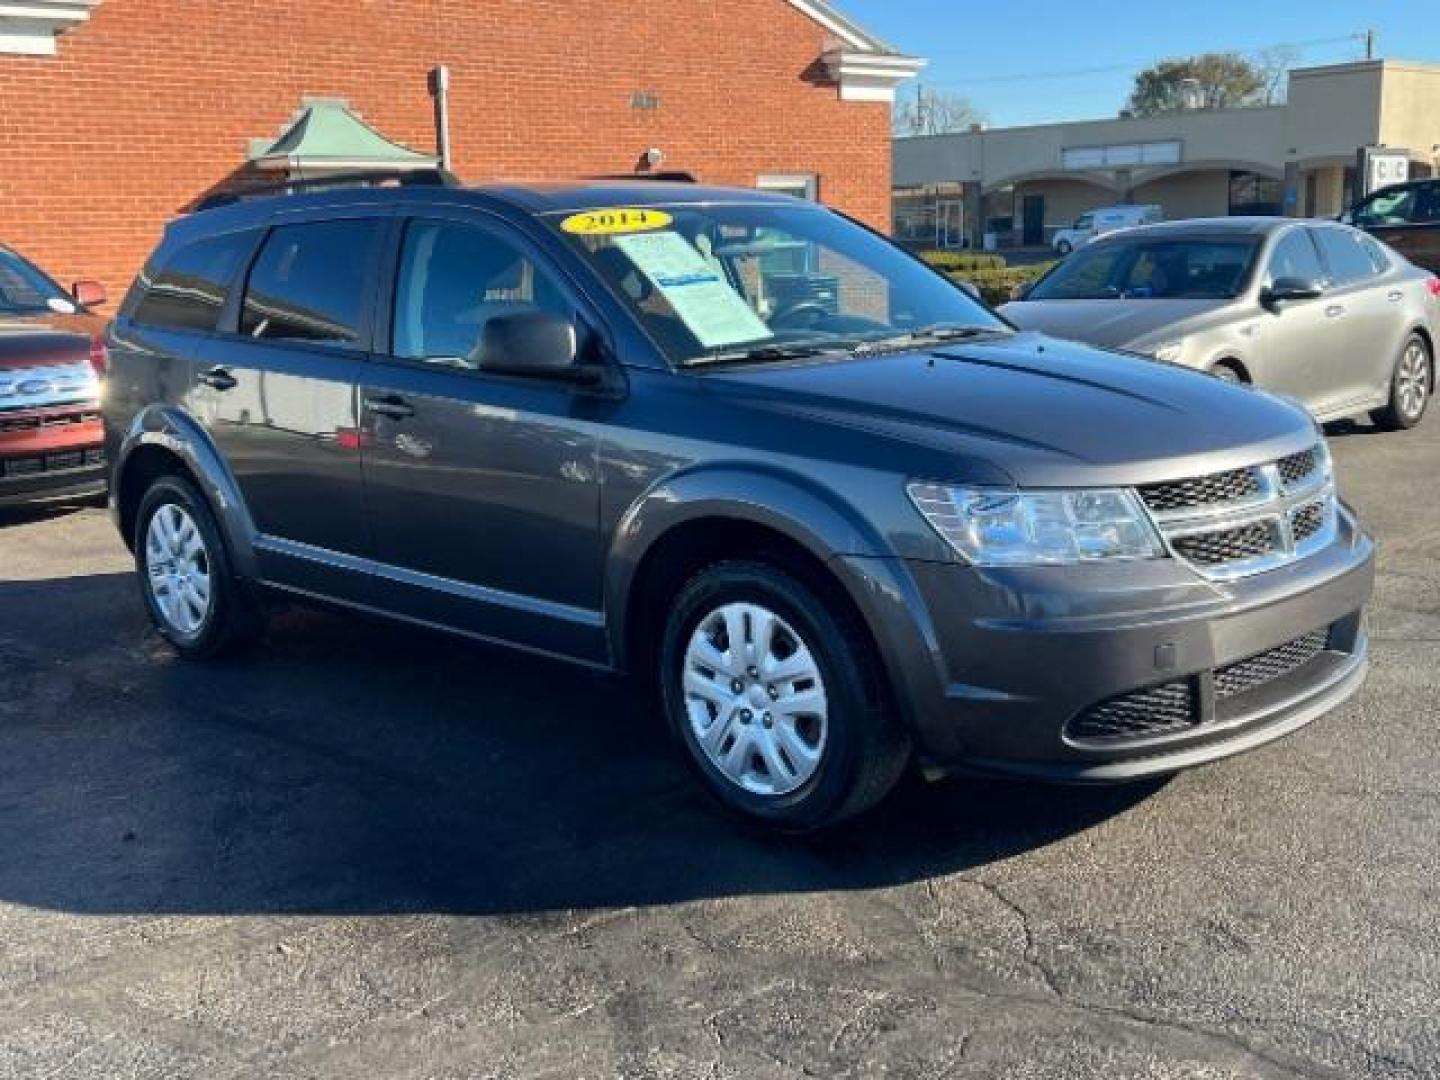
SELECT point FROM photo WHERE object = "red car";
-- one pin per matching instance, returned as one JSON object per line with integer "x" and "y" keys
{"x": 52, "y": 355}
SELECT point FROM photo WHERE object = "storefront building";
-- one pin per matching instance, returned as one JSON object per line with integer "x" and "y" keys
{"x": 117, "y": 115}
{"x": 1020, "y": 185}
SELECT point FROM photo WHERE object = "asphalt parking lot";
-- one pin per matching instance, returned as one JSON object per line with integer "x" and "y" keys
{"x": 363, "y": 850}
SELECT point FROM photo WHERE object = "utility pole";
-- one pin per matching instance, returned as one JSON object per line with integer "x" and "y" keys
{"x": 1370, "y": 44}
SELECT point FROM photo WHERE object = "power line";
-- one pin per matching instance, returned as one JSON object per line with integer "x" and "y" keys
{"x": 1130, "y": 66}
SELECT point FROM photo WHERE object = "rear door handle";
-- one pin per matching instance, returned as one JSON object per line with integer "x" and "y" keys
{"x": 1395, "y": 296}
{"x": 390, "y": 406}
{"x": 217, "y": 378}
{"x": 1334, "y": 311}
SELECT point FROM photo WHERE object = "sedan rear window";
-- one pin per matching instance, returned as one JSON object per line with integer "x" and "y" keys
{"x": 1152, "y": 270}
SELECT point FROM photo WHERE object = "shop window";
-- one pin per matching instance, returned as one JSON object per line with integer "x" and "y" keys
{"x": 1254, "y": 195}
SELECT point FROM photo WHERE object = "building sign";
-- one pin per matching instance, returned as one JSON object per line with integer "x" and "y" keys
{"x": 1121, "y": 155}
{"x": 1380, "y": 166}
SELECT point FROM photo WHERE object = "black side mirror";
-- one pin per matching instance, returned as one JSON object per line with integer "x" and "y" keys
{"x": 538, "y": 344}
{"x": 1290, "y": 288}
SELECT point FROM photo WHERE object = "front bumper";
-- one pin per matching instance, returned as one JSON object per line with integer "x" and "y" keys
{"x": 50, "y": 455}
{"x": 996, "y": 667}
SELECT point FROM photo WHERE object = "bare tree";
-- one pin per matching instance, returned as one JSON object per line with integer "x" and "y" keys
{"x": 934, "y": 112}
{"x": 1273, "y": 66}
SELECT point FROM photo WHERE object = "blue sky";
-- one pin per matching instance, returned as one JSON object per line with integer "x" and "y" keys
{"x": 1026, "y": 63}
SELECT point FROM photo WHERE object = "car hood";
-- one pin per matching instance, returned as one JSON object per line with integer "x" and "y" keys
{"x": 1037, "y": 410}
{"x": 1117, "y": 324}
{"x": 44, "y": 340}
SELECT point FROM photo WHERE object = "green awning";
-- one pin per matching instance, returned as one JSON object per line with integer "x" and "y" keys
{"x": 329, "y": 136}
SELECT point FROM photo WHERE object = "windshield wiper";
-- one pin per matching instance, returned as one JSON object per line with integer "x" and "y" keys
{"x": 764, "y": 353}
{"x": 922, "y": 335}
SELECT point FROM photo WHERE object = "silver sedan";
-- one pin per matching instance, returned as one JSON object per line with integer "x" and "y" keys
{"x": 1316, "y": 310}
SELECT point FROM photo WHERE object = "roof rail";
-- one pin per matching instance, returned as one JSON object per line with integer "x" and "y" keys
{"x": 673, "y": 177}
{"x": 428, "y": 177}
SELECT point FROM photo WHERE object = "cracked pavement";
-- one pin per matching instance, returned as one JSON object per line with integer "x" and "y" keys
{"x": 365, "y": 850}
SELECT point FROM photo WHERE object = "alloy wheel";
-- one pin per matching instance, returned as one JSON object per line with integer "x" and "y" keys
{"x": 755, "y": 699}
{"x": 1412, "y": 380}
{"x": 178, "y": 569}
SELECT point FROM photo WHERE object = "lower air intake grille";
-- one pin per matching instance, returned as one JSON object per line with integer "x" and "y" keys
{"x": 1159, "y": 710}
{"x": 1268, "y": 666}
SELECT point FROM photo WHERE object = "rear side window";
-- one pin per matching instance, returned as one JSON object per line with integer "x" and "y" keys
{"x": 1345, "y": 255}
{"x": 308, "y": 283}
{"x": 1295, "y": 257}
{"x": 191, "y": 287}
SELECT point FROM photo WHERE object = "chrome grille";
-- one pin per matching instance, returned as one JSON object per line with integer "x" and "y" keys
{"x": 1229, "y": 545}
{"x": 1296, "y": 468}
{"x": 1158, "y": 710}
{"x": 1268, "y": 666}
{"x": 1232, "y": 486}
{"x": 1244, "y": 521}
{"x": 1307, "y": 521}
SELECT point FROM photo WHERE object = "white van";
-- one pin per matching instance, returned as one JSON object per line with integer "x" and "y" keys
{"x": 1098, "y": 222}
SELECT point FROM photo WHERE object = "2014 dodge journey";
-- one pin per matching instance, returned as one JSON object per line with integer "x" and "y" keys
{"x": 841, "y": 514}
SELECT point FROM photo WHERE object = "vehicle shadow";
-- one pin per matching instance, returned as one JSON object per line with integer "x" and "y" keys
{"x": 351, "y": 766}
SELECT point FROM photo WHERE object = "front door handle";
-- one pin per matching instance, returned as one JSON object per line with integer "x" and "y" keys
{"x": 217, "y": 378}
{"x": 390, "y": 407}
{"x": 1334, "y": 311}
{"x": 1395, "y": 296}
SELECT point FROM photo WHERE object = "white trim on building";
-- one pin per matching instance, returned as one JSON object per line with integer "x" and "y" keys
{"x": 29, "y": 27}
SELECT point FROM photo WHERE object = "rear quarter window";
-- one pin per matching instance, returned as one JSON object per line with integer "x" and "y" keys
{"x": 189, "y": 289}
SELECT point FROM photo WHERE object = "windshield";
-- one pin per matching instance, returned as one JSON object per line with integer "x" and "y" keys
{"x": 25, "y": 290}
{"x": 1139, "y": 269}
{"x": 712, "y": 283}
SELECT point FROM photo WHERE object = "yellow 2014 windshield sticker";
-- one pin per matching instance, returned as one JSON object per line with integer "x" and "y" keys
{"x": 615, "y": 221}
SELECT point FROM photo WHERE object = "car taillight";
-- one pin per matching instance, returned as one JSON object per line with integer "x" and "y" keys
{"x": 99, "y": 355}
{"x": 1433, "y": 284}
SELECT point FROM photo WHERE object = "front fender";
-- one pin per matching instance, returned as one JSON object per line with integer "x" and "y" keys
{"x": 176, "y": 431}
{"x": 786, "y": 502}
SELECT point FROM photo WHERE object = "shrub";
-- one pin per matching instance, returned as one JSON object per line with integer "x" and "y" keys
{"x": 965, "y": 261}
{"x": 999, "y": 284}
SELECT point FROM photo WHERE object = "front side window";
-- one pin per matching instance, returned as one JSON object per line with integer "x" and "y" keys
{"x": 1295, "y": 257}
{"x": 189, "y": 291}
{"x": 308, "y": 283}
{"x": 1083, "y": 222}
{"x": 24, "y": 288}
{"x": 1151, "y": 270}
{"x": 1345, "y": 255}
{"x": 453, "y": 280}
{"x": 706, "y": 281}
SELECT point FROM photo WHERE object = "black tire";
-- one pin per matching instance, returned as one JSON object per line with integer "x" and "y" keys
{"x": 865, "y": 749}
{"x": 235, "y": 617}
{"x": 1405, "y": 410}
{"x": 1064, "y": 248}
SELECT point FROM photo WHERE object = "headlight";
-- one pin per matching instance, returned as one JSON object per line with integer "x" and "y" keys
{"x": 1170, "y": 352}
{"x": 999, "y": 527}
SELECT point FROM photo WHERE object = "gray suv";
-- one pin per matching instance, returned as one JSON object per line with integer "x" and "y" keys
{"x": 841, "y": 515}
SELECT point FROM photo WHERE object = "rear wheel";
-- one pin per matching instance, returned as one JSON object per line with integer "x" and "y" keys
{"x": 184, "y": 568}
{"x": 778, "y": 698}
{"x": 1411, "y": 384}
{"x": 1064, "y": 247}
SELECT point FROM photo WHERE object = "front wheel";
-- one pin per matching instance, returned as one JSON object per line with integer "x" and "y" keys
{"x": 778, "y": 698}
{"x": 1064, "y": 247}
{"x": 193, "y": 599}
{"x": 1411, "y": 384}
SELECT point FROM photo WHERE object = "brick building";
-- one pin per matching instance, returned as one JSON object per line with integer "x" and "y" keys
{"x": 115, "y": 115}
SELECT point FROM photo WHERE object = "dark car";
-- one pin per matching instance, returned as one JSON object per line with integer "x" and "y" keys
{"x": 842, "y": 527}
{"x": 1405, "y": 216}
{"x": 51, "y": 354}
